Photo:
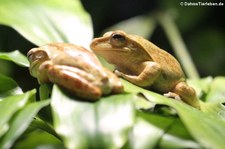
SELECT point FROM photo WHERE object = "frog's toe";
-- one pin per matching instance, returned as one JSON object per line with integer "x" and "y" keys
{"x": 172, "y": 95}
{"x": 118, "y": 73}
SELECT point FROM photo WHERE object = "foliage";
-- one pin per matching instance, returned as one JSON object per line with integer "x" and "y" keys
{"x": 138, "y": 118}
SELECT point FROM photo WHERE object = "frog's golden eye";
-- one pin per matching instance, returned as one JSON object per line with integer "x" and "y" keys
{"x": 117, "y": 40}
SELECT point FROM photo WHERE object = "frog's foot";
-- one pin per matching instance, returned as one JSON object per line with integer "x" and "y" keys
{"x": 172, "y": 95}
{"x": 117, "y": 86}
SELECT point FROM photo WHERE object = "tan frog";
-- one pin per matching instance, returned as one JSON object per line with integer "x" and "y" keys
{"x": 74, "y": 68}
{"x": 144, "y": 64}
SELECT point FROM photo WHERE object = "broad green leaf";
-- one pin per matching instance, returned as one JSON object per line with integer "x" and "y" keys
{"x": 38, "y": 123}
{"x": 38, "y": 139}
{"x": 103, "y": 124}
{"x": 217, "y": 90}
{"x": 170, "y": 141}
{"x": 214, "y": 109}
{"x": 20, "y": 122}
{"x": 144, "y": 135}
{"x": 207, "y": 129}
{"x": 152, "y": 131}
{"x": 15, "y": 56}
{"x": 142, "y": 104}
{"x": 9, "y": 106}
{"x": 169, "y": 124}
{"x": 45, "y": 21}
{"x": 8, "y": 87}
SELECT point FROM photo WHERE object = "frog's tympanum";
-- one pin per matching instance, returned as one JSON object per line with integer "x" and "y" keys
{"x": 74, "y": 68}
{"x": 144, "y": 64}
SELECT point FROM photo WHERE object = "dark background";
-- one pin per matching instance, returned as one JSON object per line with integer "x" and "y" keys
{"x": 202, "y": 28}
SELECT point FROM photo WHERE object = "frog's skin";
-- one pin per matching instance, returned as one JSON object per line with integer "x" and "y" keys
{"x": 144, "y": 64}
{"x": 74, "y": 68}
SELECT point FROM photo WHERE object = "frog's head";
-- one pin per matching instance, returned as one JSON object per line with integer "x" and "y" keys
{"x": 36, "y": 57}
{"x": 118, "y": 48}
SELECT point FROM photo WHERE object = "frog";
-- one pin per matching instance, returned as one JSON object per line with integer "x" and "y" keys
{"x": 144, "y": 64}
{"x": 74, "y": 68}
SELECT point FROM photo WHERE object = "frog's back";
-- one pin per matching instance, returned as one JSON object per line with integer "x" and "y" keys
{"x": 172, "y": 72}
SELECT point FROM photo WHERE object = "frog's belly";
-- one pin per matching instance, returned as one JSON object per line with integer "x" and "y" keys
{"x": 165, "y": 86}
{"x": 161, "y": 88}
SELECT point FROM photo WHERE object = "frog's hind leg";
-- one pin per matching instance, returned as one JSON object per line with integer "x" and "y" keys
{"x": 74, "y": 80}
{"x": 185, "y": 93}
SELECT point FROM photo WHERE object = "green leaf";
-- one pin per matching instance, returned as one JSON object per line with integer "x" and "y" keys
{"x": 207, "y": 129}
{"x": 20, "y": 122}
{"x": 9, "y": 106}
{"x": 152, "y": 131}
{"x": 38, "y": 139}
{"x": 38, "y": 123}
{"x": 170, "y": 141}
{"x": 16, "y": 57}
{"x": 144, "y": 135}
{"x": 214, "y": 109}
{"x": 169, "y": 124}
{"x": 217, "y": 90}
{"x": 45, "y": 21}
{"x": 201, "y": 86}
{"x": 103, "y": 124}
{"x": 8, "y": 87}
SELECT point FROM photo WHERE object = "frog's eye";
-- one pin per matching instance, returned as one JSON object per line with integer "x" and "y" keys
{"x": 37, "y": 55}
{"x": 117, "y": 40}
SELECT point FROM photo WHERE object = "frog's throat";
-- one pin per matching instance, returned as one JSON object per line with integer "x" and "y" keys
{"x": 34, "y": 68}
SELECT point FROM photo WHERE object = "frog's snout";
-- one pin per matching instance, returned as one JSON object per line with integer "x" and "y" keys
{"x": 93, "y": 44}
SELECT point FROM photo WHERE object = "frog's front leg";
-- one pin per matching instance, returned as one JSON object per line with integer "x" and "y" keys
{"x": 73, "y": 79}
{"x": 114, "y": 81}
{"x": 146, "y": 78}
